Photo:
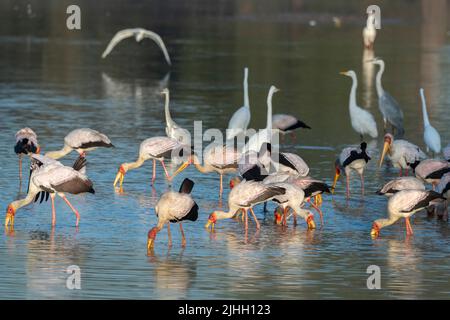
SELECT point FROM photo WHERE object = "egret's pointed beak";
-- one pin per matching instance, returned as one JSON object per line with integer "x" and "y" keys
{"x": 181, "y": 168}
{"x": 310, "y": 222}
{"x": 336, "y": 178}
{"x": 385, "y": 150}
{"x": 343, "y": 73}
{"x": 120, "y": 175}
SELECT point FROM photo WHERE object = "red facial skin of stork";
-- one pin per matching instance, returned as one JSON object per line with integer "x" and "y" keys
{"x": 211, "y": 221}
{"x": 234, "y": 182}
{"x": 375, "y": 232}
{"x": 151, "y": 239}
{"x": 386, "y": 147}
{"x": 10, "y": 213}
{"x": 120, "y": 175}
{"x": 336, "y": 178}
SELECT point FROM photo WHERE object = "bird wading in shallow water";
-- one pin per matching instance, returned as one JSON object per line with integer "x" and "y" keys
{"x": 26, "y": 144}
{"x": 351, "y": 159}
{"x": 139, "y": 34}
{"x": 403, "y": 154}
{"x": 81, "y": 140}
{"x": 156, "y": 148}
{"x": 174, "y": 207}
{"x": 430, "y": 134}
{"x": 404, "y": 204}
{"x": 399, "y": 184}
{"x": 173, "y": 130}
{"x": 241, "y": 117}
{"x": 245, "y": 195}
{"x": 50, "y": 176}
{"x": 389, "y": 107}
{"x": 432, "y": 170}
{"x": 362, "y": 121}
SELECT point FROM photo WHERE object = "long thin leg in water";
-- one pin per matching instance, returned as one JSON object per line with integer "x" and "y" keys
{"x": 165, "y": 170}
{"x": 73, "y": 209}
{"x": 52, "y": 196}
{"x": 409, "y": 230}
{"x": 348, "y": 186}
{"x": 400, "y": 172}
{"x": 221, "y": 186}
{"x": 154, "y": 172}
{"x": 246, "y": 219}
{"x": 284, "y": 217}
{"x": 183, "y": 238}
{"x": 406, "y": 172}
{"x": 169, "y": 234}
{"x": 258, "y": 226}
{"x": 362, "y": 184}
{"x": 20, "y": 167}
{"x": 318, "y": 210}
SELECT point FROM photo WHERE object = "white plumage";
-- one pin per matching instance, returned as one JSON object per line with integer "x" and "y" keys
{"x": 240, "y": 120}
{"x": 362, "y": 121}
{"x": 369, "y": 31}
{"x": 173, "y": 130}
{"x": 139, "y": 35}
{"x": 51, "y": 176}
{"x": 265, "y": 135}
{"x": 399, "y": 184}
{"x": 156, "y": 148}
{"x": 430, "y": 134}
{"x": 403, "y": 204}
{"x": 81, "y": 140}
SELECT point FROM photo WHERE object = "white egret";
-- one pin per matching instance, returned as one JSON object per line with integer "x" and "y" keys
{"x": 430, "y": 135}
{"x": 241, "y": 118}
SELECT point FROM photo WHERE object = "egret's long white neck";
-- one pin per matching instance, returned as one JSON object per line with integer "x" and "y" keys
{"x": 169, "y": 121}
{"x": 426, "y": 121}
{"x": 352, "y": 102}
{"x": 269, "y": 108}
{"x": 246, "y": 99}
{"x": 380, "y": 89}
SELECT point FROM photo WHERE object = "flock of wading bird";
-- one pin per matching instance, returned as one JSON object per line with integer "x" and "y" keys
{"x": 265, "y": 174}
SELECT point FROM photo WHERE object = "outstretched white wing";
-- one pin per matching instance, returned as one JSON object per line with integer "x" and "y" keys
{"x": 119, "y": 36}
{"x": 155, "y": 37}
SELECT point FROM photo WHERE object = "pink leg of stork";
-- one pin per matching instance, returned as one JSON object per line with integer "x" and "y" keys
{"x": 400, "y": 172}
{"x": 317, "y": 209}
{"x": 154, "y": 172}
{"x": 165, "y": 170}
{"x": 221, "y": 186}
{"x": 406, "y": 172}
{"x": 409, "y": 230}
{"x": 246, "y": 219}
{"x": 20, "y": 166}
{"x": 73, "y": 209}
{"x": 348, "y": 186}
{"x": 52, "y": 196}
{"x": 362, "y": 184}
{"x": 183, "y": 238}
{"x": 258, "y": 226}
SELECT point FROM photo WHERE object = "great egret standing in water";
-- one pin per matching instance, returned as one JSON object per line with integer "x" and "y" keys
{"x": 389, "y": 107}
{"x": 362, "y": 121}
{"x": 173, "y": 130}
{"x": 430, "y": 135}
{"x": 241, "y": 118}
{"x": 139, "y": 35}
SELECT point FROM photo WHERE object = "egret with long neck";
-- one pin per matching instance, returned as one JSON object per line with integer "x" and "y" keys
{"x": 430, "y": 134}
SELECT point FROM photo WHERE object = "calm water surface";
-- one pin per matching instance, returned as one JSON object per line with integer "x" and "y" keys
{"x": 54, "y": 81}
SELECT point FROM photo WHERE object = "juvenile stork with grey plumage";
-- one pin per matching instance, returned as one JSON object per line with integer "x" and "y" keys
{"x": 26, "y": 144}
{"x": 399, "y": 184}
{"x": 351, "y": 159}
{"x": 432, "y": 170}
{"x": 52, "y": 177}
